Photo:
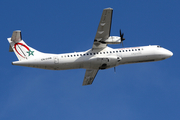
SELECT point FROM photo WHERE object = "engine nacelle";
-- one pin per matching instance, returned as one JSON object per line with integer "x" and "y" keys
{"x": 113, "y": 40}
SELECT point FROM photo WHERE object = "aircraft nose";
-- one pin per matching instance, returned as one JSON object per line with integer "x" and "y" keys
{"x": 171, "y": 54}
{"x": 168, "y": 54}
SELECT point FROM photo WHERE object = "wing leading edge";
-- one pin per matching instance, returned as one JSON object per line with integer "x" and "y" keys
{"x": 104, "y": 29}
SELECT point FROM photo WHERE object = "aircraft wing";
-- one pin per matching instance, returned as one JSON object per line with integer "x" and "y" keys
{"x": 89, "y": 76}
{"x": 104, "y": 29}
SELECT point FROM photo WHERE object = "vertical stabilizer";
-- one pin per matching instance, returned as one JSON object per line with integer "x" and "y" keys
{"x": 21, "y": 49}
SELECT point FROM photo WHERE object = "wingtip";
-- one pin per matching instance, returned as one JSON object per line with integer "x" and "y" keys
{"x": 17, "y": 30}
{"x": 109, "y": 8}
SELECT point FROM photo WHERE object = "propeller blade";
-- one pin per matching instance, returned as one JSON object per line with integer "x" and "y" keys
{"x": 121, "y": 35}
{"x": 122, "y": 43}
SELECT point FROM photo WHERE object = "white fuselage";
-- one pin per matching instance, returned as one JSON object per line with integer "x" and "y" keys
{"x": 97, "y": 58}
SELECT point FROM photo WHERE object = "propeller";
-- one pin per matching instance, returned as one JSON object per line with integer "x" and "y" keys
{"x": 121, "y": 35}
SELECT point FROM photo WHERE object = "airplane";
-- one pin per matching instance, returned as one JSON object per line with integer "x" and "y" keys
{"x": 99, "y": 57}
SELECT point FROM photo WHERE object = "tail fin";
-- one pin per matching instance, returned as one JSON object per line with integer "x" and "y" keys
{"x": 21, "y": 49}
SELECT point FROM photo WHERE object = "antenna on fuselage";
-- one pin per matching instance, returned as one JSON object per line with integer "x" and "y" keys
{"x": 115, "y": 69}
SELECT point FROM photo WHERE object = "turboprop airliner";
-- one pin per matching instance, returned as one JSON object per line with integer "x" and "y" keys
{"x": 99, "y": 57}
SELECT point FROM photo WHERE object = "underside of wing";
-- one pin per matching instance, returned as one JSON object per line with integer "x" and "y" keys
{"x": 89, "y": 76}
{"x": 104, "y": 29}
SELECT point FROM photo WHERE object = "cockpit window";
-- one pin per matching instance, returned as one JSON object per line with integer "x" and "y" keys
{"x": 159, "y": 46}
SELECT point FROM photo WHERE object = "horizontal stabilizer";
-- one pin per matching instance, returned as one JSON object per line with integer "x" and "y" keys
{"x": 16, "y": 36}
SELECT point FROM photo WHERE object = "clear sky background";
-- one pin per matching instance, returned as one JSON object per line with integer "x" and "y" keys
{"x": 144, "y": 91}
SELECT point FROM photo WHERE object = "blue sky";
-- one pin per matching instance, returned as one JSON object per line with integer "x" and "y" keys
{"x": 142, "y": 91}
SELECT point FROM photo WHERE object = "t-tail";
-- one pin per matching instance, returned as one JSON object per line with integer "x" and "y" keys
{"x": 21, "y": 49}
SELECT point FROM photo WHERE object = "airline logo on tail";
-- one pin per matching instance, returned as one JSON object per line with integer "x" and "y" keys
{"x": 26, "y": 47}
